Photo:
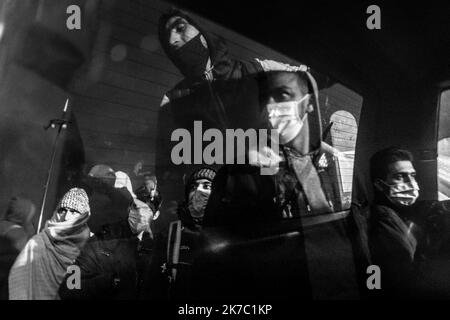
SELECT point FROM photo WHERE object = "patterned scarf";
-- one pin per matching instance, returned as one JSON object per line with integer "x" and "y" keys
{"x": 41, "y": 266}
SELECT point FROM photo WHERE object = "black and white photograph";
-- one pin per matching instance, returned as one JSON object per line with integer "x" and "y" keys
{"x": 218, "y": 157}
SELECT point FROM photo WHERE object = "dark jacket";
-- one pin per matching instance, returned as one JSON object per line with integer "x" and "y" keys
{"x": 394, "y": 241}
{"x": 113, "y": 254}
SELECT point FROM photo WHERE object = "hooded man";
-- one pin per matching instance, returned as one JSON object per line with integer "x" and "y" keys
{"x": 197, "y": 190}
{"x": 217, "y": 90}
{"x": 244, "y": 202}
{"x": 41, "y": 266}
{"x": 113, "y": 263}
{"x": 15, "y": 230}
{"x": 299, "y": 186}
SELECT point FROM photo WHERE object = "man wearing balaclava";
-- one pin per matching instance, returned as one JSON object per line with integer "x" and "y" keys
{"x": 217, "y": 90}
{"x": 393, "y": 234}
{"x": 183, "y": 236}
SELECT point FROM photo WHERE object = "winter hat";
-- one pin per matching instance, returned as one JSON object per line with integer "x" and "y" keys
{"x": 75, "y": 199}
{"x": 122, "y": 180}
{"x": 201, "y": 173}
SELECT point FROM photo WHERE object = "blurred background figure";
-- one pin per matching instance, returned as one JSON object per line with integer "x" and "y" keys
{"x": 109, "y": 196}
{"x": 123, "y": 180}
{"x": 150, "y": 194}
{"x": 41, "y": 266}
{"x": 15, "y": 230}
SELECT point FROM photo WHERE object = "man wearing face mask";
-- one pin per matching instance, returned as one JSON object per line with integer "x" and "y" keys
{"x": 244, "y": 202}
{"x": 112, "y": 264}
{"x": 150, "y": 194}
{"x": 298, "y": 186}
{"x": 184, "y": 234}
{"x": 394, "y": 236}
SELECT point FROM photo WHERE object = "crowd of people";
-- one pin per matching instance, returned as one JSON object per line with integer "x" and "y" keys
{"x": 102, "y": 230}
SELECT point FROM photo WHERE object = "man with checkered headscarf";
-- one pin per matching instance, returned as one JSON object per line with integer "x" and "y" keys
{"x": 41, "y": 266}
{"x": 114, "y": 263}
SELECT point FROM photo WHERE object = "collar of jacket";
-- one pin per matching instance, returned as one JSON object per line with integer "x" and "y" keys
{"x": 404, "y": 213}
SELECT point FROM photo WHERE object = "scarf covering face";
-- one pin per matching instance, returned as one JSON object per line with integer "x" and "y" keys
{"x": 197, "y": 204}
{"x": 41, "y": 266}
{"x": 191, "y": 59}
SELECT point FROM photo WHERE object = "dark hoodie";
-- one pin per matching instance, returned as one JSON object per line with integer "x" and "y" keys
{"x": 225, "y": 68}
{"x": 15, "y": 230}
{"x": 395, "y": 246}
{"x": 230, "y": 100}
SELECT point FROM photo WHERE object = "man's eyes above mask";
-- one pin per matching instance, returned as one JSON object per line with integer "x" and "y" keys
{"x": 181, "y": 27}
{"x": 202, "y": 186}
{"x": 281, "y": 95}
{"x": 67, "y": 210}
{"x": 207, "y": 186}
{"x": 401, "y": 176}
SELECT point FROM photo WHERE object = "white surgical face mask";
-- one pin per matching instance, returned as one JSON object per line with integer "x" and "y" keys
{"x": 139, "y": 218}
{"x": 404, "y": 194}
{"x": 285, "y": 118}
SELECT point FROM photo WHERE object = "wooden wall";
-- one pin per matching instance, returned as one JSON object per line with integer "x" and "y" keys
{"x": 117, "y": 106}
